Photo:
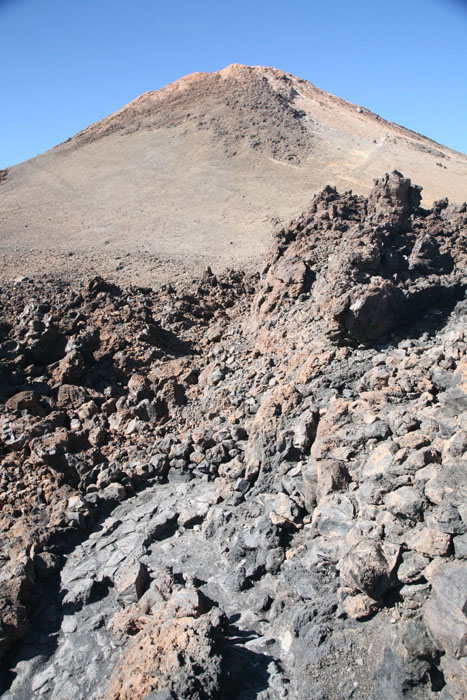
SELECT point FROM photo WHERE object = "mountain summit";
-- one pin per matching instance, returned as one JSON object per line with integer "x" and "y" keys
{"x": 199, "y": 171}
{"x": 237, "y": 485}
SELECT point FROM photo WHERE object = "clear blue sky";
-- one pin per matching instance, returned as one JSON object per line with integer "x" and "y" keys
{"x": 67, "y": 63}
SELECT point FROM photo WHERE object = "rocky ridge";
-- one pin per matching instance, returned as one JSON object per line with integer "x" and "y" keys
{"x": 252, "y": 486}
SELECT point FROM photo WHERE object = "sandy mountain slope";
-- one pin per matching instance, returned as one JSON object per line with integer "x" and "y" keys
{"x": 197, "y": 173}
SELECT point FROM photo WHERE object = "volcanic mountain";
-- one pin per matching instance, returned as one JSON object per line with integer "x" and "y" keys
{"x": 234, "y": 486}
{"x": 198, "y": 172}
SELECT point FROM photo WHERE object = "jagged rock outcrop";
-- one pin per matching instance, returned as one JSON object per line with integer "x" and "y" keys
{"x": 366, "y": 266}
{"x": 250, "y": 487}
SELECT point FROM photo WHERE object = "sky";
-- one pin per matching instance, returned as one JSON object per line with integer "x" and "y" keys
{"x": 68, "y": 63}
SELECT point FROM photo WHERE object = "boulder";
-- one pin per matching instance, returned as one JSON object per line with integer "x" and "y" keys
{"x": 130, "y": 582}
{"x": 446, "y": 612}
{"x": 372, "y": 311}
{"x": 430, "y": 541}
{"x": 334, "y": 515}
{"x": 370, "y": 568}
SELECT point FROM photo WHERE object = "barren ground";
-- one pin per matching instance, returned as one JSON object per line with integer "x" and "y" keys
{"x": 198, "y": 173}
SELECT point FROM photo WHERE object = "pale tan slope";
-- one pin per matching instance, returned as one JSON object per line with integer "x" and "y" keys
{"x": 196, "y": 174}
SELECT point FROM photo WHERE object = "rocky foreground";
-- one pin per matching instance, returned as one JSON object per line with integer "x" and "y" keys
{"x": 248, "y": 487}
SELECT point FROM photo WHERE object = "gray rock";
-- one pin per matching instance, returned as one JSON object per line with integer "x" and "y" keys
{"x": 445, "y": 612}
{"x": 130, "y": 582}
{"x": 334, "y": 515}
{"x": 447, "y": 519}
{"x": 429, "y": 541}
{"x": 370, "y": 568}
{"x": 242, "y": 485}
{"x": 80, "y": 591}
{"x": 449, "y": 484}
{"x": 165, "y": 694}
{"x": 455, "y": 673}
{"x": 405, "y": 501}
{"x": 146, "y": 410}
{"x": 304, "y": 430}
{"x": 411, "y": 567}
{"x": 460, "y": 546}
{"x": 310, "y": 480}
{"x": 373, "y": 312}
{"x": 159, "y": 526}
{"x": 332, "y": 475}
{"x": 381, "y": 459}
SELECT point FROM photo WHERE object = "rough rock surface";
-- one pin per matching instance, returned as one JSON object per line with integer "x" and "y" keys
{"x": 250, "y": 486}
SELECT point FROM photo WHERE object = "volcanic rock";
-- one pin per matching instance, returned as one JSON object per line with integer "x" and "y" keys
{"x": 275, "y": 509}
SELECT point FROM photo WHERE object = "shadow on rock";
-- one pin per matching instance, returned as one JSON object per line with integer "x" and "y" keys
{"x": 245, "y": 672}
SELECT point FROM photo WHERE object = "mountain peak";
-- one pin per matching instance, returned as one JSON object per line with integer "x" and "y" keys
{"x": 238, "y": 104}
{"x": 201, "y": 168}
